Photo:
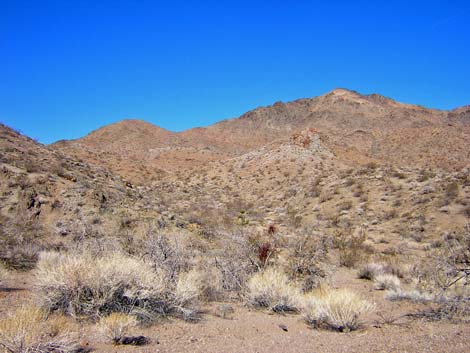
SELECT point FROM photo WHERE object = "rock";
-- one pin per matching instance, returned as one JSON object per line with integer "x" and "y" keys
{"x": 134, "y": 340}
{"x": 444, "y": 209}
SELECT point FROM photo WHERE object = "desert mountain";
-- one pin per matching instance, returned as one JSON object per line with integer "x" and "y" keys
{"x": 325, "y": 189}
{"x": 357, "y": 128}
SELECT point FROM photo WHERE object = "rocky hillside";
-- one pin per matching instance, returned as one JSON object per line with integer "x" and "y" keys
{"x": 341, "y": 192}
{"x": 338, "y": 160}
{"x": 357, "y": 128}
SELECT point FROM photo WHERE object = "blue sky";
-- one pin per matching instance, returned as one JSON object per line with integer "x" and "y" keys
{"x": 68, "y": 67}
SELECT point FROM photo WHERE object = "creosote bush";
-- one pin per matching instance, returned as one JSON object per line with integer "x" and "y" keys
{"x": 308, "y": 257}
{"x": 272, "y": 289}
{"x": 351, "y": 247}
{"x": 339, "y": 310}
{"x": 20, "y": 237}
{"x": 236, "y": 259}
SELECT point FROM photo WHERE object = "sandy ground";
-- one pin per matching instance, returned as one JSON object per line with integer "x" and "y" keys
{"x": 250, "y": 331}
{"x": 247, "y": 330}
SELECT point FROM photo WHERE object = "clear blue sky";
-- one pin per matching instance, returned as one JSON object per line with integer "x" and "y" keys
{"x": 68, "y": 67}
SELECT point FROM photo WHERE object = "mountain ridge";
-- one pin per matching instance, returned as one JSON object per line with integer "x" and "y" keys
{"x": 374, "y": 97}
{"x": 359, "y": 129}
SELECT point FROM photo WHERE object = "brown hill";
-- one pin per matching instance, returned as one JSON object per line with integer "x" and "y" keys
{"x": 288, "y": 187}
{"x": 357, "y": 128}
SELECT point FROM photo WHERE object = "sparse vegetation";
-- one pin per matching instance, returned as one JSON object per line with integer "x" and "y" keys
{"x": 273, "y": 290}
{"x": 412, "y": 295}
{"x": 339, "y": 310}
{"x": 370, "y": 271}
{"x": 386, "y": 282}
{"x": 26, "y": 330}
{"x": 84, "y": 285}
{"x": 112, "y": 243}
{"x": 351, "y": 247}
{"x": 116, "y": 326}
{"x": 309, "y": 259}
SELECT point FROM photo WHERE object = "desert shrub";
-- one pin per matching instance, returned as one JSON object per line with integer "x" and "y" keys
{"x": 349, "y": 182}
{"x": 20, "y": 236}
{"x": 339, "y": 310}
{"x": 116, "y": 326}
{"x": 32, "y": 166}
{"x": 326, "y": 195}
{"x": 370, "y": 271}
{"x": 197, "y": 284}
{"x": 446, "y": 271}
{"x": 371, "y": 166}
{"x": 455, "y": 309}
{"x": 452, "y": 190}
{"x": 83, "y": 285}
{"x": 393, "y": 266}
{"x": 265, "y": 252}
{"x": 398, "y": 174}
{"x": 315, "y": 191}
{"x": 265, "y": 248}
{"x": 426, "y": 175}
{"x": 311, "y": 309}
{"x": 390, "y": 214}
{"x": 272, "y": 289}
{"x": 351, "y": 247}
{"x": 445, "y": 275}
{"x": 345, "y": 206}
{"x": 20, "y": 256}
{"x": 188, "y": 288}
{"x": 386, "y": 282}
{"x": 236, "y": 259}
{"x": 309, "y": 260}
{"x": 165, "y": 254}
{"x": 411, "y": 295}
{"x": 466, "y": 211}
{"x": 27, "y": 331}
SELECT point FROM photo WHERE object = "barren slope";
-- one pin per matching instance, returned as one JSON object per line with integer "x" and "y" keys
{"x": 357, "y": 128}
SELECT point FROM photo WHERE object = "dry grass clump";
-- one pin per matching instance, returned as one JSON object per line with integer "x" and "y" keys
{"x": 83, "y": 285}
{"x": 386, "y": 281}
{"x": 411, "y": 295}
{"x": 116, "y": 326}
{"x": 339, "y": 310}
{"x": 272, "y": 289}
{"x": 197, "y": 284}
{"x": 370, "y": 271}
{"x": 27, "y": 331}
